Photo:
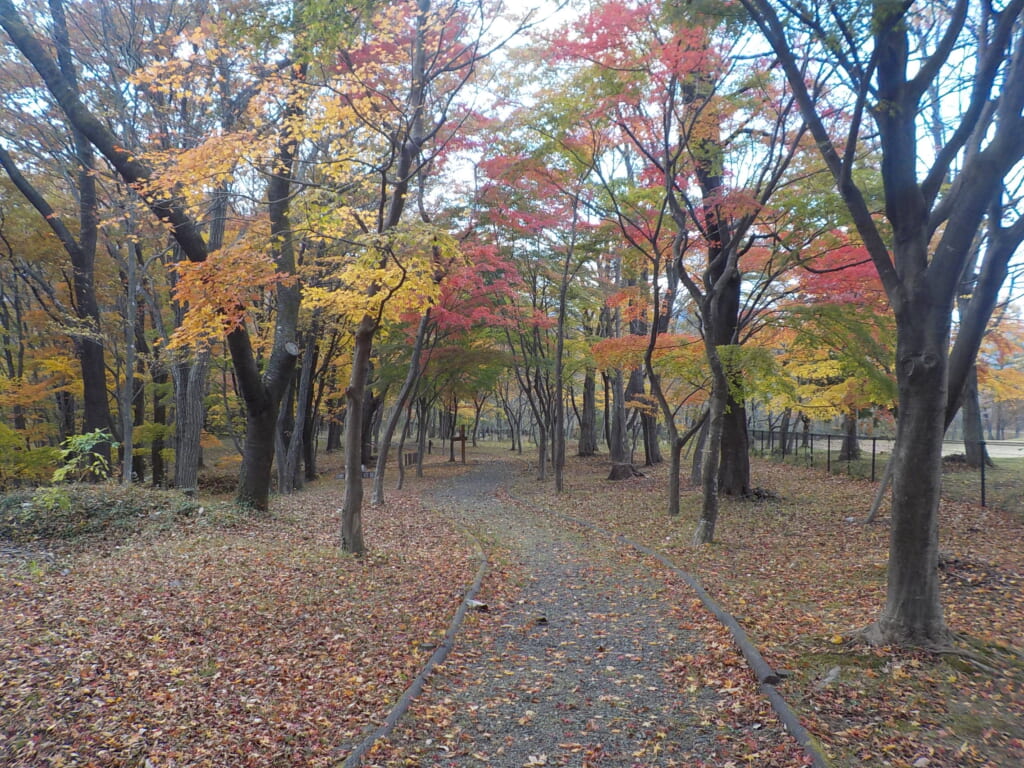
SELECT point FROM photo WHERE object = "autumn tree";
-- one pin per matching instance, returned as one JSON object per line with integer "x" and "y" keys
{"x": 713, "y": 137}
{"x": 1001, "y": 377}
{"x": 878, "y": 63}
{"x": 261, "y": 390}
{"x": 79, "y": 239}
{"x": 397, "y": 89}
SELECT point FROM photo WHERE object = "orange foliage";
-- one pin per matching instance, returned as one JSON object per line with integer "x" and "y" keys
{"x": 220, "y": 291}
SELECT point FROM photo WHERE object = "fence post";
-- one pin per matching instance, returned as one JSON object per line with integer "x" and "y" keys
{"x": 983, "y": 474}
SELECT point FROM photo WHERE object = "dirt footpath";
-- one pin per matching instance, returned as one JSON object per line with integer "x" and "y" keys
{"x": 572, "y": 668}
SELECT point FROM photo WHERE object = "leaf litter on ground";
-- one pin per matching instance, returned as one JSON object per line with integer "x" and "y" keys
{"x": 258, "y": 644}
{"x": 802, "y": 574}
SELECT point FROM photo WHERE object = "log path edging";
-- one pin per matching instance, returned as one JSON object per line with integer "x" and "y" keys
{"x": 767, "y": 677}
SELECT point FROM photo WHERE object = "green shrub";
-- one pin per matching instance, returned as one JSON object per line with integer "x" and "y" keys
{"x": 82, "y": 458}
{"x": 21, "y": 464}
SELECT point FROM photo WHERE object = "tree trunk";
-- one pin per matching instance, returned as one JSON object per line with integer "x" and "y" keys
{"x": 422, "y": 416}
{"x": 851, "y": 443}
{"x": 588, "y": 416}
{"x": 622, "y": 467}
{"x": 542, "y": 453}
{"x": 65, "y": 415}
{"x": 189, "y": 390}
{"x": 335, "y": 427}
{"x": 784, "y": 432}
{"x": 697, "y": 467}
{"x": 262, "y": 396}
{"x": 705, "y": 531}
{"x": 608, "y": 408}
{"x": 913, "y": 610}
{"x": 257, "y": 457}
{"x": 974, "y": 435}
{"x": 310, "y": 428}
{"x": 290, "y": 430}
{"x": 652, "y": 448}
{"x": 139, "y": 389}
{"x": 352, "y": 511}
{"x": 401, "y": 447}
{"x": 156, "y": 451}
{"x": 411, "y": 378}
{"x": 95, "y": 402}
{"x": 734, "y": 472}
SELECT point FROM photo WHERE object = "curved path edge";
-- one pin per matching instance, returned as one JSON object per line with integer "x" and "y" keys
{"x": 766, "y": 676}
{"x": 353, "y": 759}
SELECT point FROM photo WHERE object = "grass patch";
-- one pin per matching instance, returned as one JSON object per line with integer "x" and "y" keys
{"x": 68, "y": 513}
{"x": 1004, "y": 485}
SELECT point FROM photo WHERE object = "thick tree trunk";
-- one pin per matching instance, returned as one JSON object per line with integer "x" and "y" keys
{"x": 675, "y": 468}
{"x": 784, "y": 432}
{"x": 697, "y": 466}
{"x": 734, "y": 471}
{"x": 422, "y": 436}
{"x": 542, "y": 453}
{"x": 401, "y": 448}
{"x": 291, "y": 431}
{"x": 139, "y": 390}
{"x": 310, "y": 428}
{"x": 352, "y": 511}
{"x": 652, "y": 448}
{"x": 608, "y": 406}
{"x": 95, "y": 401}
{"x": 258, "y": 457}
{"x": 262, "y": 396}
{"x": 156, "y": 451}
{"x": 851, "y": 443}
{"x": 189, "y": 390}
{"x": 335, "y": 427}
{"x": 913, "y": 610}
{"x": 65, "y": 402}
{"x": 588, "y": 416}
{"x": 705, "y": 531}
{"x": 622, "y": 467}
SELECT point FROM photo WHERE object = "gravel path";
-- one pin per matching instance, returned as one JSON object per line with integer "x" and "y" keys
{"x": 571, "y": 670}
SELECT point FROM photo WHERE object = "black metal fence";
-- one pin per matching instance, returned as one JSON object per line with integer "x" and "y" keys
{"x": 999, "y": 480}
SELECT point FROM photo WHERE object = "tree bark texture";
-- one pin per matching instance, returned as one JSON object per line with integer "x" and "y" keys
{"x": 618, "y": 448}
{"x": 189, "y": 391}
{"x": 352, "y": 511}
{"x": 588, "y": 416}
{"x": 913, "y": 609}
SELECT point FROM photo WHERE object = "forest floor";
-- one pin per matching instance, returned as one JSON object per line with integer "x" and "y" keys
{"x": 195, "y": 637}
{"x": 802, "y": 573}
